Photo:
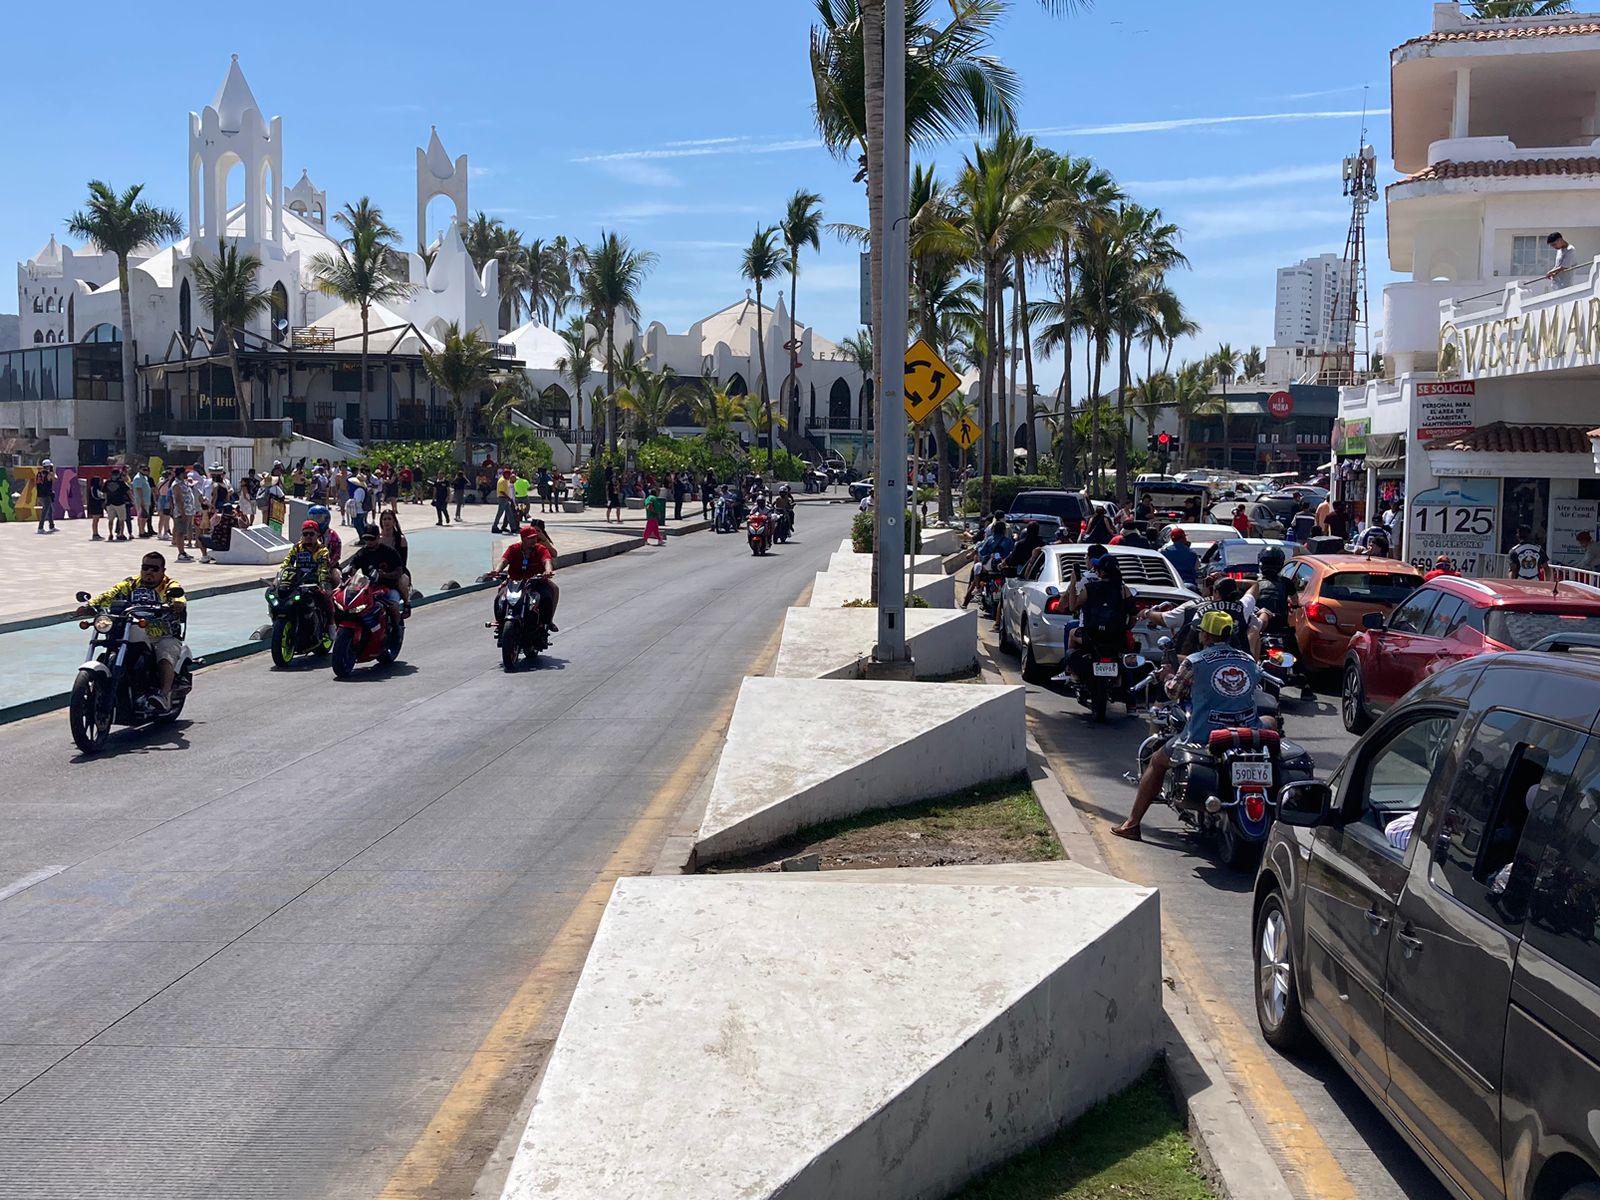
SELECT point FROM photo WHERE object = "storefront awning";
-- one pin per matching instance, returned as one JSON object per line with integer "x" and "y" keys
{"x": 1386, "y": 451}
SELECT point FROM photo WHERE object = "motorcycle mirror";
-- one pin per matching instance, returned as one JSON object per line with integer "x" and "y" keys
{"x": 1307, "y": 803}
{"x": 1164, "y": 643}
{"x": 83, "y": 597}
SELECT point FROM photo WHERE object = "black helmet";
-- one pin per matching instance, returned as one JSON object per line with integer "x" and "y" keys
{"x": 1271, "y": 561}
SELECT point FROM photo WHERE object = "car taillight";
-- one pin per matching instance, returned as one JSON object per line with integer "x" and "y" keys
{"x": 1320, "y": 614}
{"x": 1238, "y": 575}
{"x": 1056, "y": 605}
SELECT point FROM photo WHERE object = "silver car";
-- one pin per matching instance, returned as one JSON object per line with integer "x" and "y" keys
{"x": 1033, "y": 616}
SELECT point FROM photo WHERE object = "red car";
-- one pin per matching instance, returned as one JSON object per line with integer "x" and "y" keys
{"x": 1451, "y": 619}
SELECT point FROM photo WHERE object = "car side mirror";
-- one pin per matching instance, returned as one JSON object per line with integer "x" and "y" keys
{"x": 1372, "y": 621}
{"x": 83, "y": 597}
{"x": 1307, "y": 804}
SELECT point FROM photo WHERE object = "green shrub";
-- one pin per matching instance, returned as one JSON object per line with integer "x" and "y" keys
{"x": 434, "y": 456}
{"x": 595, "y": 491}
{"x": 526, "y": 451}
{"x": 1003, "y": 489}
{"x": 911, "y": 602}
{"x": 863, "y": 538}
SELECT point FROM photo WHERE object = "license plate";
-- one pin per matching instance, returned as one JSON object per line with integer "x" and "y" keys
{"x": 1252, "y": 772}
{"x": 1105, "y": 670}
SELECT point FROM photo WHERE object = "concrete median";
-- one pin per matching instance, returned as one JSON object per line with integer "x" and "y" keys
{"x": 830, "y": 643}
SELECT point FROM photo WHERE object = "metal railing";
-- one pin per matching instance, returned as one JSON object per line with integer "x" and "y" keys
{"x": 1498, "y": 566}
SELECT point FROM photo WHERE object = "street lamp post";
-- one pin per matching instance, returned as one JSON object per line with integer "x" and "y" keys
{"x": 889, "y": 500}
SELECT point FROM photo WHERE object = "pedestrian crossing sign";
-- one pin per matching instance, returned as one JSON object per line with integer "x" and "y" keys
{"x": 966, "y": 433}
{"x": 929, "y": 381}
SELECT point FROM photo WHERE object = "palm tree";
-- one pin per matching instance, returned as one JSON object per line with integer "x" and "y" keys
{"x": 1254, "y": 364}
{"x": 1486, "y": 10}
{"x": 361, "y": 273}
{"x": 1223, "y": 365}
{"x": 120, "y": 223}
{"x": 577, "y": 364}
{"x": 650, "y": 401}
{"x": 613, "y": 276}
{"x": 762, "y": 262}
{"x": 801, "y": 227}
{"x": 463, "y": 366}
{"x": 1191, "y": 398}
{"x": 714, "y": 411}
{"x": 951, "y": 85}
{"x": 515, "y": 391}
{"x": 227, "y": 287}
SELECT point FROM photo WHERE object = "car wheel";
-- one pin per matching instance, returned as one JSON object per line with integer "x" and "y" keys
{"x": 1584, "y": 1191}
{"x": 1353, "y": 701}
{"x": 1033, "y": 671}
{"x": 1277, "y": 992}
{"x": 1006, "y": 643}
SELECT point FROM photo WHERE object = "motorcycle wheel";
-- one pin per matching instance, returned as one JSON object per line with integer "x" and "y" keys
{"x": 391, "y": 646}
{"x": 344, "y": 652}
{"x": 510, "y": 644}
{"x": 282, "y": 643}
{"x": 1236, "y": 851}
{"x": 1099, "y": 700}
{"x": 90, "y": 725}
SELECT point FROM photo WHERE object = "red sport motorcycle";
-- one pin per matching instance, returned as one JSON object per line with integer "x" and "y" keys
{"x": 761, "y": 529}
{"x": 365, "y": 630}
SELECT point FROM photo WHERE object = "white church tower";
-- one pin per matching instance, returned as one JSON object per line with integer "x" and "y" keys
{"x": 307, "y": 202}
{"x": 232, "y": 132}
{"x": 438, "y": 176}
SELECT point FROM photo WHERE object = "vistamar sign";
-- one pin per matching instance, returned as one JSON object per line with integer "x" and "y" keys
{"x": 1446, "y": 409}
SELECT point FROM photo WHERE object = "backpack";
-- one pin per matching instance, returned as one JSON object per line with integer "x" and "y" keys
{"x": 1273, "y": 599}
{"x": 1104, "y": 609}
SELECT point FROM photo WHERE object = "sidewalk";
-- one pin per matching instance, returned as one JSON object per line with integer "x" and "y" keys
{"x": 46, "y": 570}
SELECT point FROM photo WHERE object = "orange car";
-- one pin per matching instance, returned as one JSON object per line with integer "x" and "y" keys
{"x": 1329, "y": 594}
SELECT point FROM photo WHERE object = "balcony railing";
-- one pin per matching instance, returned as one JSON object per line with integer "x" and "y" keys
{"x": 1524, "y": 328}
{"x": 834, "y": 424}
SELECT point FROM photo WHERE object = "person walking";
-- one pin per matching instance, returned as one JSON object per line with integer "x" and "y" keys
{"x": 359, "y": 503}
{"x": 544, "y": 485}
{"x": 441, "y": 500}
{"x": 708, "y": 492}
{"x": 680, "y": 491}
{"x": 613, "y": 495}
{"x": 185, "y": 507}
{"x": 44, "y": 494}
{"x": 119, "y": 507}
{"x": 94, "y": 501}
{"x": 1527, "y": 559}
{"x": 655, "y": 512}
{"x": 505, "y": 514}
{"x": 143, "y": 495}
{"x": 523, "y": 491}
{"x": 459, "y": 486}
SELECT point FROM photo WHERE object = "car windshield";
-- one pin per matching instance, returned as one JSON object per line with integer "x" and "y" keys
{"x": 1370, "y": 587}
{"x": 1242, "y": 554}
{"x": 1520, "y": 629}
{"x": 1061, "y": 505}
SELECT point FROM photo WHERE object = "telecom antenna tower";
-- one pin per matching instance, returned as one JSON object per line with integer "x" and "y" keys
{"x": 1343, "y": 362}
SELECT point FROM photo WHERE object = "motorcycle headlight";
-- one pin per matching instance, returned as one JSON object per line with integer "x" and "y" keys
{"x": 103, "y": 624}
{"x": 272, "y": 599}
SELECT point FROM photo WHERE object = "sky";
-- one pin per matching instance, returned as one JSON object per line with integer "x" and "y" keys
{"x": 686, "y": 126}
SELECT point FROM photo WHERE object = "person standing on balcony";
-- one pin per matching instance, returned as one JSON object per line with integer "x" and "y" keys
{"x": 1566, "y": 259}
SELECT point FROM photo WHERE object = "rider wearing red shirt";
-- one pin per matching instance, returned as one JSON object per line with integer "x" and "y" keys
{"x": 532, "y": 559}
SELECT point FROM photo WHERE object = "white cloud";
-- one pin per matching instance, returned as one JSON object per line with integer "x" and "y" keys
{"x": 1197, "y": 185}
{"x": 639, "y": 174}
{"x": 705, "y": 148}
{"x": 1176, "y": 123}
{"x": 649, "y": 210}
{"x": 480, "y": 172}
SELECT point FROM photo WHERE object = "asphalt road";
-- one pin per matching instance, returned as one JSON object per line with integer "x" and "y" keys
{"x": 318, "y": 933}
{"x": 1330, "y": 1140}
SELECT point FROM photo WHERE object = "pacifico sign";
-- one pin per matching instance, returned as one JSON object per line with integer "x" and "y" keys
{"x": 1524, "y": 342}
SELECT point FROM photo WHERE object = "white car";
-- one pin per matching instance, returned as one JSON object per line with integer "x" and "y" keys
{"x": 1033, "y": 617}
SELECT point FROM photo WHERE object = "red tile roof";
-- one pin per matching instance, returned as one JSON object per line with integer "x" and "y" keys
{"x": 1501, "y": 438}
{"x": 1501, "y": 33}
{"x": 1503, "y": 168}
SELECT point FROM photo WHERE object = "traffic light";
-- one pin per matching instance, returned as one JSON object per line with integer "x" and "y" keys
{"x": 1150, "y": 443}
{"x": 1165, "y": 441}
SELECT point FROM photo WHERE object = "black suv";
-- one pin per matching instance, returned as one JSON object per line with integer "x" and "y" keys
{"x": 1071, "y": 509}
{"x": 1432, "y": 915}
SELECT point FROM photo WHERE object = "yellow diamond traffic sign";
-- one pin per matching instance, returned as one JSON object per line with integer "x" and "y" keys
{"x": 966, "y": 433}
{"x": 929, "y": 381}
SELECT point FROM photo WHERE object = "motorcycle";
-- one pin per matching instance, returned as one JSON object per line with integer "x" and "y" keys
{"x": 760, "y": 532}
{"x": 524, "y": 631}
{"x": 723, "y": 515}
{"x": 365, "y": 630}
{"x": 120, "y": 683}
{"x": 1283, "y": 667}
{"x": 299, "y": 622}
{"x": 1107, "y": 667}
{"x": 1226, "y": 789}
{"x": 991, "y": 582}
{"x": 782, "y": 525}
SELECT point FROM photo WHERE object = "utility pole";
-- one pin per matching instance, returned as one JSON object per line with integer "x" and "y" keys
{"x": 889, "y": 494}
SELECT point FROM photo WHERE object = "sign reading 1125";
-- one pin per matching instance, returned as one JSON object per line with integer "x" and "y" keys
{"x": 1475, "y": 519}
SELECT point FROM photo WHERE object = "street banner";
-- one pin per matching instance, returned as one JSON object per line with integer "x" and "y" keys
{"x": 1446, "y": 409}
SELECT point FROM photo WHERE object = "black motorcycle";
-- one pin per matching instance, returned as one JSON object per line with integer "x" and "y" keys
{"x": 782, "y": 525}
{"x": 1227, "y": 788}
{"x": 1104, "y": 668}
{"x": 300, "y": 623}
{"x": 120, "y": 684}
{"x": 524, "y": 629}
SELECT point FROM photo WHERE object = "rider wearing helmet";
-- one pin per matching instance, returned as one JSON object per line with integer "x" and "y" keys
{"x": 330, "y": 536}
{"x": 1220, "y": 683}
{"x": 1272, "y": 600}
{"x": 784, "y": 503}
{"x": 307, "y": 563}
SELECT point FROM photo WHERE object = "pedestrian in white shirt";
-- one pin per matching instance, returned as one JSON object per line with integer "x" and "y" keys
{"x": 1566, "y": 259}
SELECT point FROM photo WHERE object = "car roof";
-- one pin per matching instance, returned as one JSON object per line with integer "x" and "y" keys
{"x": 1120, "y": 551}
{"x": 1345, "y": 562}
{"x": 1504, "y": 593}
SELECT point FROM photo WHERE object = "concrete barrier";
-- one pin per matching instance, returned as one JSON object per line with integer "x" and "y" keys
{"x": 881, "y": 1033}
{"x": 829, "y": 643}
{"x": 849, "y": 577}
{"x": 941, "y": 541}
{"x": 803, "y": 751}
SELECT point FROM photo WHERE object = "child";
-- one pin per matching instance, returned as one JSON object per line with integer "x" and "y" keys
{"x": 655, "y": 512}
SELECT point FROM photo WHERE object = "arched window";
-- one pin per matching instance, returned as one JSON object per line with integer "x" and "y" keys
{"x": 38, "y": 336}
{"x": 737, "y": 385}
{"x": 38, "y": 304}
{"x": 813, "y": 421}
{"x": 839, "y": 405}
{"x": 72, "y": 323}
{"x": 185, "y": 313}
{"x": 555, "y": 407}
{"x": 280, "y": 312}
{"x": 103, "y": 332}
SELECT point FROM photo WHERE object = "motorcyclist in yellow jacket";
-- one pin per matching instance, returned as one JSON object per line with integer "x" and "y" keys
{"x": 165, "y": 634}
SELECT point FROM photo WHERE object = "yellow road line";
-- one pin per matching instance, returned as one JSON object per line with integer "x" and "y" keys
{"x": 552, "y": 978}
{"x": 1310, "y": 1157}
